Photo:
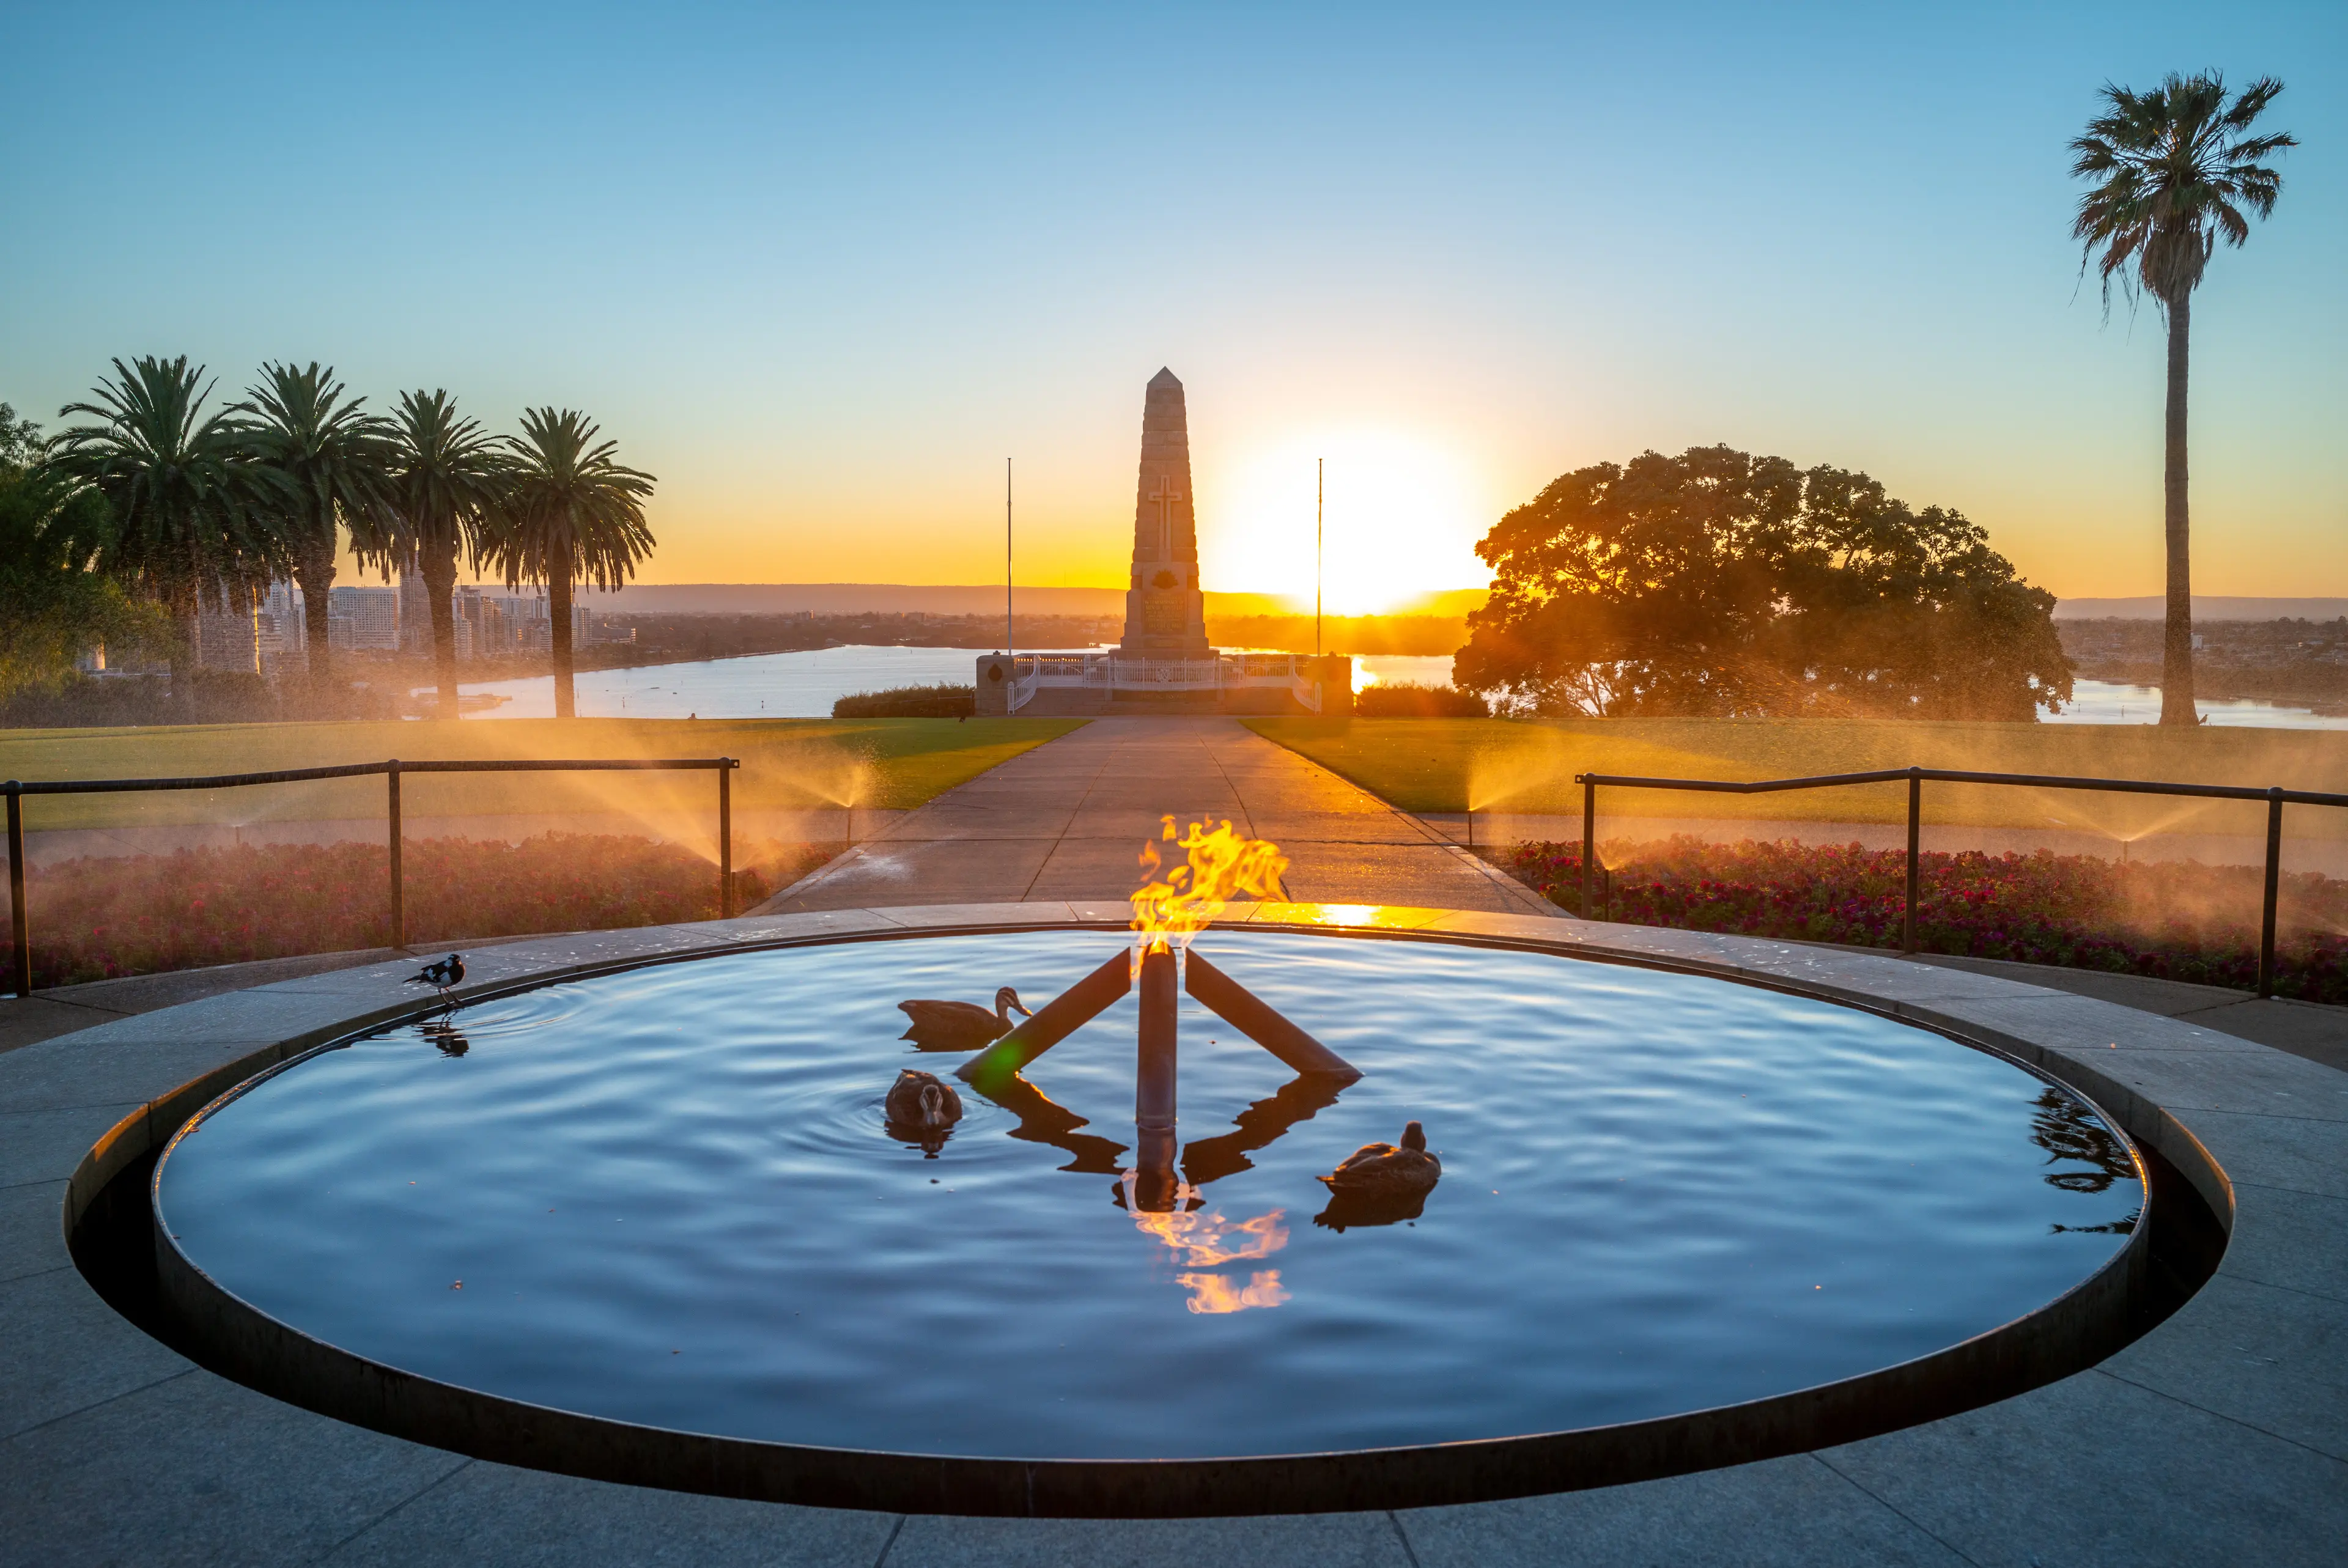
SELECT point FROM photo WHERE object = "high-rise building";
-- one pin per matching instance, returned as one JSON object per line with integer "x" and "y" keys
{"x": 485, "y": 633}
{"x": 364, "y": 618}
{"x": 228, "y": 635}
{"x": 283, "y": 605}
{"x": 415, "y": 609}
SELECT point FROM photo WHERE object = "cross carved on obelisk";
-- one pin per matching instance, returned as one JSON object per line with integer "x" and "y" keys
{"x": 1165, "y": 494}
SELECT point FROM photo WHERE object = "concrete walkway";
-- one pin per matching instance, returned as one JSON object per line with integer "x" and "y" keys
{"x": 1068, "y": 820}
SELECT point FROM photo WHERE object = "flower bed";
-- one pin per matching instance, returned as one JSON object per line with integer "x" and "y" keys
{"x": 97, "y": 917}
{"x": 2176, "y": 920}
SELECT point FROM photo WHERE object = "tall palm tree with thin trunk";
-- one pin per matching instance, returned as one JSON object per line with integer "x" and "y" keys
{"x": 447, "y": 477}
{"x": 333, "y": 461}
{"x": 2175, "y": 170}
{"x": 572, "y": 514}
{"x": 192, "y": 512}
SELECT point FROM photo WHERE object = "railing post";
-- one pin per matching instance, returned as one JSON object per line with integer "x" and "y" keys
{"x": 2273, "y": 891}
{"x": 1915, "y": 832}
{"x": 20, "y": 941}
{"x": 1589, "y": 838}
{"x": 391, "y": 840}
{"x": 725, "y": 839}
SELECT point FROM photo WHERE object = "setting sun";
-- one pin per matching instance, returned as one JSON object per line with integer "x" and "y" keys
{"x": 1401, "y": 516}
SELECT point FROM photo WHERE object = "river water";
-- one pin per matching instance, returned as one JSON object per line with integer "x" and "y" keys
{"x": 805, "y": 685}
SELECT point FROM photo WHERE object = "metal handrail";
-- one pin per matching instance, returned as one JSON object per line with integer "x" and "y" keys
{"x": 20, "y": 954}
{"x": 2276, "y": 798}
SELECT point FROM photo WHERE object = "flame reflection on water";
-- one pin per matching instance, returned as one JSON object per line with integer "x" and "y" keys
{"x": 1205, "y": 1239}
{"x": 1214, "y": 1294}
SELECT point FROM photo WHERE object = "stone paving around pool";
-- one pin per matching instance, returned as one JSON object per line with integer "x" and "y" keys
{"x": 2221, "y": 1436}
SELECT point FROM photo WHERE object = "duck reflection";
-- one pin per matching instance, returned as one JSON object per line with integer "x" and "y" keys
{"x": 445, "y": 1036}
{"x": 2067, "y": 1130}
{"x": 921, "y": 1109}
{"x": 959, "y": 1026}
{"x": 1349, "y": 1209}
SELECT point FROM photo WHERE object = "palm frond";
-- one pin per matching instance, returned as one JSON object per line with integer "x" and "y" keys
{"x": 2174, "y": 171}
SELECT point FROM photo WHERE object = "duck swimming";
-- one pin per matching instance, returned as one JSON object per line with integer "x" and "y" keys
{"x": 1380, "y": 1168}
{"x": 921, "y": 1102}
{"x": 959, "y": 1026}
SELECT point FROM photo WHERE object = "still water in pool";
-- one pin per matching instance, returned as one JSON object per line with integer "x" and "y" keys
{"x": 670, "y": 1196}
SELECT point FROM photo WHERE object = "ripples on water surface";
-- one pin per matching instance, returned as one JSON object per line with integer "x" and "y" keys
{"x": 671, "y": 1199}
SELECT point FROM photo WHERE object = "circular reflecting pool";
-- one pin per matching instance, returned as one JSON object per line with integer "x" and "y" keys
{"x": 672, "y": 1197}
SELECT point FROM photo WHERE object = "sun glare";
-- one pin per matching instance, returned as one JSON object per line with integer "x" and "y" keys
{"x": 1402, "y": 518}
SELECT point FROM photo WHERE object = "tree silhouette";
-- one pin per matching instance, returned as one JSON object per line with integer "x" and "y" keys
{"x": 571, "y": 514}
{"x": 447, "y": 478}
{"x": 2175, "y": 169}
{"x": 192, "y": 512}
{"x": 333, "y": 463}
{"x": 1723, "y": 584}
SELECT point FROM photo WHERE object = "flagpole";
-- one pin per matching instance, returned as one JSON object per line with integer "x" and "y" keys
{"x": 1318, "y": 466}
{"x": 1007, "y": 649}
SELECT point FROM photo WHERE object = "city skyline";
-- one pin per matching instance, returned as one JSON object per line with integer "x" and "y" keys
{"x": 822, "y": 275}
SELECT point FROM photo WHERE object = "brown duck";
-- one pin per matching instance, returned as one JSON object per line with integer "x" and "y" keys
{"x": 1383, "y": 1169}
{"x": 959, "y": 1026}
{"x": 922, "y": 1102}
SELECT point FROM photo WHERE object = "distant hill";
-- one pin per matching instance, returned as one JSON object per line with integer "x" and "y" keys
{"x": 897, "y": 597}
{"x": 2213, "y": 607}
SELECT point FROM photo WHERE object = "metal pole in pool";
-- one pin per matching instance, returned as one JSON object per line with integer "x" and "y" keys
{"x": 2273, "y": 888}
{"x": 1154, "y": 1083}
{"x": 1007, "y": 649}
{"x": 20, "y": 942}
{"x": 1915, "y": 828}
{"x": 392, "y": 839}
{"x": 1589, "y": 837}
{"x": 725, "y": 839}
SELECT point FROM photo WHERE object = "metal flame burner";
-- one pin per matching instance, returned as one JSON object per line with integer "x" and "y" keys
{"x": 654, "y": 1226}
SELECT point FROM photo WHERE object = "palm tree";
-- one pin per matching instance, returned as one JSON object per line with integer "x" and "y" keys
{"x": 192, "y": 526}
{"x": 447, "y": 476}
{"x": 2175, "y": 169}
{"x": 333, "y": 464}
{"x": 571, "y": 514}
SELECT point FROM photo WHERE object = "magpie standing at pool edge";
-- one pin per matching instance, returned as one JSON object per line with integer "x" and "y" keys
{"x": 449, "y": 971}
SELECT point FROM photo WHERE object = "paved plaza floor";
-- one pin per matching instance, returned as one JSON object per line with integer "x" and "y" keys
{"x": 1068, "y": 820}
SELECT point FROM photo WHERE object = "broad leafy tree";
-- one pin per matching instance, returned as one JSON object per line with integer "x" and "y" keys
{"x": 191, "y": 514}
{"x": 447, "y": 477}
{"x": 54, "y": 604}
{"x": 2174, "y": 171}
{"x": 572, "y": 515}
{"x": 331, "y": 461}
{"x": 1719, "y": 583}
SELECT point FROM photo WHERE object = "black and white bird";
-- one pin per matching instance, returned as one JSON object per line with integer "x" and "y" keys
{"x": 442, "y": 976}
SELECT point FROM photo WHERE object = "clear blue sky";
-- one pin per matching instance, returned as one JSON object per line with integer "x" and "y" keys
{"x": 822, "y": 270}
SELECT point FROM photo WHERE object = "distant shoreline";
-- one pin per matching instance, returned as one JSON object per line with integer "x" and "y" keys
{"x": 986, "y": 599}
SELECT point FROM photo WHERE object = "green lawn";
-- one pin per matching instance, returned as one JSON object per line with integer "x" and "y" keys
{"x": 785, "y": 762}
{"x": 1510, "y": 767}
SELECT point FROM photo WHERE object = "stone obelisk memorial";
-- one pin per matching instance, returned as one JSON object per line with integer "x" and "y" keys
{"x": 1162, "y": 664}
{"x": 1165, "y": 613}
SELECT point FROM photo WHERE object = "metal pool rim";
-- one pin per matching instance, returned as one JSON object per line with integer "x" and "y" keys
{"x": 2074, "y": 1330}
